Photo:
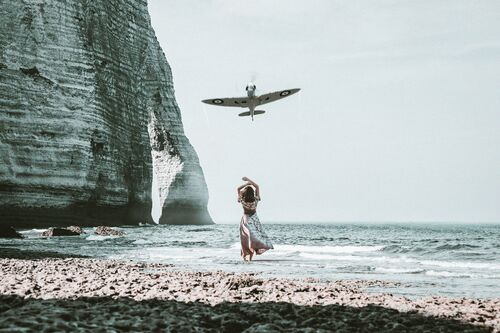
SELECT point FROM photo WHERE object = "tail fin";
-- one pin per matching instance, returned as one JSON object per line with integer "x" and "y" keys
{"x": 247, "y": 113}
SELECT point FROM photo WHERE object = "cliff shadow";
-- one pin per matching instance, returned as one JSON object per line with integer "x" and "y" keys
{"x": 105, "y": 314}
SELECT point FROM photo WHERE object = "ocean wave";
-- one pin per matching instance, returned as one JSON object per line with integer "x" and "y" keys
{"x": 402, "y": 260}
{"x": 32, "y": 231}
{"x": 201, "y": 230}
{"x": 100, "y": 238}
{"x": 461, "y": 274}
{"x": 403, "y": 249}
{"x": 349, "y": 258}
{"x": 392, "y": 248}
{"x": 461, "y": 264}
{"x": 326, "y": 239}
{"x": 428, "y": 249}
{"x": 170, "y": 244}
{"x": 187, "y": 243}
{"x": 318, "y": 256}
{"x": 320, "y": 252}
{"x": 449, "y": 274}
{"x": 236, "y": 245}
{"x": 399, "y": 270}
{"x": 327, "y": 248}
{"x": 456, "y": 247}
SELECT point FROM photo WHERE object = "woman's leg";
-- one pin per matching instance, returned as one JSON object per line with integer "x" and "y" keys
{"x": 259, "y": 240}
{"x": 246, "y": 249}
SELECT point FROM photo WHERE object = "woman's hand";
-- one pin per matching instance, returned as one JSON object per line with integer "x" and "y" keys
{"x": 254, "y": 184}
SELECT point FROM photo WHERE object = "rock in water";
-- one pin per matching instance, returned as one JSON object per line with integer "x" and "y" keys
{"x": 9, "y": 232}
{"x": 107, "y": 231}
{"x": 76, "y": 229}
{"x": 87, "y": 112}
{"x": 51, "y": 232}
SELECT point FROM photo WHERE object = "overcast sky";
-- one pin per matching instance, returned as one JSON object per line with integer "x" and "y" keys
{"x": 398, "y": 118}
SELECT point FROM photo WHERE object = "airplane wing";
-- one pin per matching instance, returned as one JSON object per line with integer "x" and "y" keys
{"x": 274, "y": 96}
{"x": 232, "y": 101}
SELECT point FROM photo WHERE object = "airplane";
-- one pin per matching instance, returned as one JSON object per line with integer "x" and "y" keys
{"x": 252, "y": 101}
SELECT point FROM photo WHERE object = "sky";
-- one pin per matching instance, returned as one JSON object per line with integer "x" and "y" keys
{"x": 398, "y": 119}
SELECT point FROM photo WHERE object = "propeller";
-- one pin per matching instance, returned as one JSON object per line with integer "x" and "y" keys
{"x": 253, "y": 78}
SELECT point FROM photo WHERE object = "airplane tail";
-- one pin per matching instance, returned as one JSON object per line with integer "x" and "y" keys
{"x": 247, "y": 113}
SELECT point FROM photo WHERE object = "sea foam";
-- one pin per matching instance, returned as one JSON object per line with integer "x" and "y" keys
{"x": 100, "y": 238}
{"x": 326, "y": 248}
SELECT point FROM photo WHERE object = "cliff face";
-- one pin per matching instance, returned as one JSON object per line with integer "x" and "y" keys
{"x": 86, "y": 99}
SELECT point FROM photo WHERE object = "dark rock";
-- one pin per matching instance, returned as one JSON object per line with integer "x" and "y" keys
{"x": 107, "y": 231}
{"x": 33, "y": 71}
{"x": 51, "y": 232}
{"x": 9, "y": 232}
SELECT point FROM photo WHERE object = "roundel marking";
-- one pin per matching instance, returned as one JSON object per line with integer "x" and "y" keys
{"x": 218, "y": 101}
{"x": 285, "y": 93}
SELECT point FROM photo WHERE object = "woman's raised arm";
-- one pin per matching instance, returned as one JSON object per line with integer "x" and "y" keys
{"x": 254, "y": 184}
{"x": 238, "y": 189}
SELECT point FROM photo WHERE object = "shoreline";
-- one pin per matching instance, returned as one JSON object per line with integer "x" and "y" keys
{"x": 73, "y": 293}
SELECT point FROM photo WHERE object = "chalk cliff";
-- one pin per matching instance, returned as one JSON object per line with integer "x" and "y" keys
{"x": 87, "y": 112}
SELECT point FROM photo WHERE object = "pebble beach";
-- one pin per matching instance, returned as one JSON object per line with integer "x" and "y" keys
{"x": 102, "y": 295}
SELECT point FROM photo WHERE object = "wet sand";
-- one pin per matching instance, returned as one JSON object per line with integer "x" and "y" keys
{"x": 82, "y": 294}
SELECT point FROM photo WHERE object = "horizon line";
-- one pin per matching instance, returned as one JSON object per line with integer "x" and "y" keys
{"x": 366, "y": 222}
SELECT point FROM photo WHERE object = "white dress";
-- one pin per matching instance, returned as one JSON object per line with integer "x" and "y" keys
{"x": 253, "y": 238}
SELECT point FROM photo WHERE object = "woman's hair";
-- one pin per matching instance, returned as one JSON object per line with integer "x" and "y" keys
{"x": 248, "y": 194}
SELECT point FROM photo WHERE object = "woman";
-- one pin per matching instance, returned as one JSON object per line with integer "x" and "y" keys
{"x": 253, "y": 239}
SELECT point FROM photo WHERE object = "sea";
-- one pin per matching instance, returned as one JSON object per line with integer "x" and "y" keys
{"x": 425, "y": 259}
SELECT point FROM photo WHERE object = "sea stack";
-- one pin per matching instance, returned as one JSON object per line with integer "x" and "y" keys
{"x": 87, "y": 112}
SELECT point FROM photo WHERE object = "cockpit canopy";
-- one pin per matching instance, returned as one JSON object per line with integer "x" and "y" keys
{"x": 251, "y": 86}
